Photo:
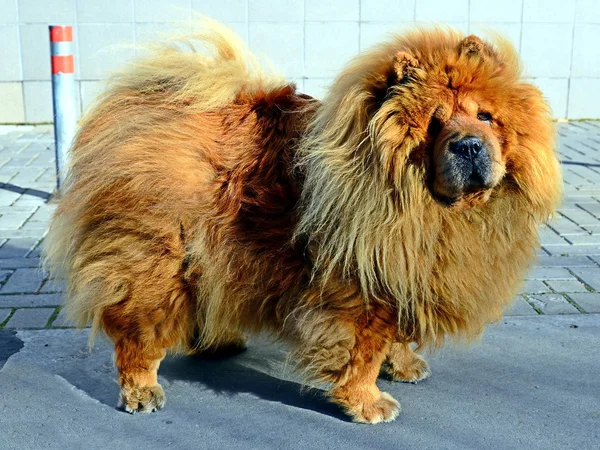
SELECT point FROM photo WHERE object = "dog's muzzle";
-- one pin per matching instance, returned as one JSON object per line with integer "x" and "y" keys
{"x": 470, "y": 164}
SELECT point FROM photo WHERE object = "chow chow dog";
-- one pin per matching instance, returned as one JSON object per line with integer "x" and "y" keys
{"x": 208, "y": 199}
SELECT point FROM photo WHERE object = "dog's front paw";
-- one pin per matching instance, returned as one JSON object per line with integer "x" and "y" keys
{"x": 142, "y": 400}
{"x": 412, "y": 370}
{"x": 367, "y": 405}
{"x": 384, "y": 409}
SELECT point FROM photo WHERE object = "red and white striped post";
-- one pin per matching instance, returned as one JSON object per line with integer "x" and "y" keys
{"x": 63, "y": 95}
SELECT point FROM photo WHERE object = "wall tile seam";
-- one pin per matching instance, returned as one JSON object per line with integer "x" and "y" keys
{"x": 359, "y": 27}
{"x": 20, "y": 50}
{"x": 247, "y": 20}
{"x": 571, "y": 62}
{"x": 468, "y": 16}
{"x": 303, "y": 43}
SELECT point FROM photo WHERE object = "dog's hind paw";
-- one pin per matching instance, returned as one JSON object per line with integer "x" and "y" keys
{"x": 142, "y": 400}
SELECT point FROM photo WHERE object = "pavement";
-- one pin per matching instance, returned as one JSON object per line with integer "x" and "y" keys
{"x": 532, "y": 382}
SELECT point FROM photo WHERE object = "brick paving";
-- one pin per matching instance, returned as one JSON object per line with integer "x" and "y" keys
{"x": 566, "y": 279}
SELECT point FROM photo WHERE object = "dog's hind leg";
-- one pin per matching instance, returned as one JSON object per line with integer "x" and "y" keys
{"x": 402, "y": 364}
{"x": 157, "y": 315}
{"x": 137, "y": 364}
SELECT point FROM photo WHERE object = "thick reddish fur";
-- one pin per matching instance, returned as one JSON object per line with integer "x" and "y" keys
{"x": 185, "y": 225}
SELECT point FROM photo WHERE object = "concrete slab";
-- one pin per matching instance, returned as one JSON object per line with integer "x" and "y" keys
{"x": 532, "y": 382}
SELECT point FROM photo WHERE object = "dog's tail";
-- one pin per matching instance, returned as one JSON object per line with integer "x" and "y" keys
{"x": 205, "y": 69}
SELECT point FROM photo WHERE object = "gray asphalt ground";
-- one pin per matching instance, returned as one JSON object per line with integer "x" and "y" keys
{"x": 533, "y": 382}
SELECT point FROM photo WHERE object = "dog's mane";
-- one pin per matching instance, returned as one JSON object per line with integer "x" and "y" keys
{"x": 368, "y": 213}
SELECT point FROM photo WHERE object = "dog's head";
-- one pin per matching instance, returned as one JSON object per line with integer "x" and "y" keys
{"x": 455, "y": 107}
{"x": 485, "y": 127}
{"x": 464, "y": 149}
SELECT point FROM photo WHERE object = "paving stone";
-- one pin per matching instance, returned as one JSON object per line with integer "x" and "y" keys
{"x": 43, "y": 214}
{"x": 29, "y": 225}
{"x": 31, "y": 232}
{"x": 7, "y": 197}
{"x": 535, "y": 287}
{"x": 27, "y": 175}
{"x": 588, "y": 302}
{"x": 520, "y": 308}
{"x": 11, "y": 221}
{"x": 17, "y": 209}
{"x": 565, "y": 227}
{"x": 589, "y": 275}
{"x": 583, "y": 239}
{"x": 552, "y": 304}
{"x": 4, "y": 274}
{"x": 29, "y": 200}
{"x": 566, "y": 286}
{"x": 595, "y": 259}
{"x": 23, "y": 281}
{"x": 53, "y": 286}
{"x": 16, "y": 263}
{"x": 30, "y": 318}
{"x": 594, "y": 230}
{"x": 566, "y": 261}
{"x": 17, "y": 247}
{"x": 4, "y": 313}
{"x": 581, "y": 217}
{"x": 36, "y": 253}
{"x": 551, "y": 238}
{"x": 62, "y": 320}
{"x": 549, "y": 273}
{"x": 591, "y": 208}
{"x": 18, "y": 301}
{"x": 561, "y": 250}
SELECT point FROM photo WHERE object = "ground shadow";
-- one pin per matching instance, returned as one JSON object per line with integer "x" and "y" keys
{"x": 577, "y": 163}
{"x": 229, "y": 377}
{"x": 27, "y": 191}
{"x": 9, "y": 345}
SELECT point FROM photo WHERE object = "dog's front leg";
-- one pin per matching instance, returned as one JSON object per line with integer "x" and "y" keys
{"x": 347, "y": 347}
{"x": 403, "y": 364}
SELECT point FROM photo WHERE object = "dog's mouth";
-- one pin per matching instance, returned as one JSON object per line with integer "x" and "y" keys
{"x": 444, "y": 200}
{"x": 469, "y": 198}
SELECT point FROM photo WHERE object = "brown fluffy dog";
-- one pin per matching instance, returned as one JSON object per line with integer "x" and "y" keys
{"x": 208, "y": 199}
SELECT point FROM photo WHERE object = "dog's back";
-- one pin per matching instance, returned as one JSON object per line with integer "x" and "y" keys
{"x": 182, "y": 170}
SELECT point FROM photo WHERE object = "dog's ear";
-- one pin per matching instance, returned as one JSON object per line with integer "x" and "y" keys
{"x": 472, "y": 46}
{"x": 403, "y": 64}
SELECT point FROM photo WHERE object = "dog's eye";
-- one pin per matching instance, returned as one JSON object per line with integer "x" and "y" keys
{"x": 484, "y": 117}
{"x": 435, "y": 126}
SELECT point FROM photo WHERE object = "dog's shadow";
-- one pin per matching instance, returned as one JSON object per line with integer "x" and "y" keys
{"x": 254, "y": 372}
{"x": 228, "y": 376}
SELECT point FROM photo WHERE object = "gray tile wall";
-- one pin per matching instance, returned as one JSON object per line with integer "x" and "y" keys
{"x": 308, "y": 40}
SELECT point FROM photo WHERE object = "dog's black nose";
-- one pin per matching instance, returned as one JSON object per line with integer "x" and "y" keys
{"x": 467, "y": 147}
